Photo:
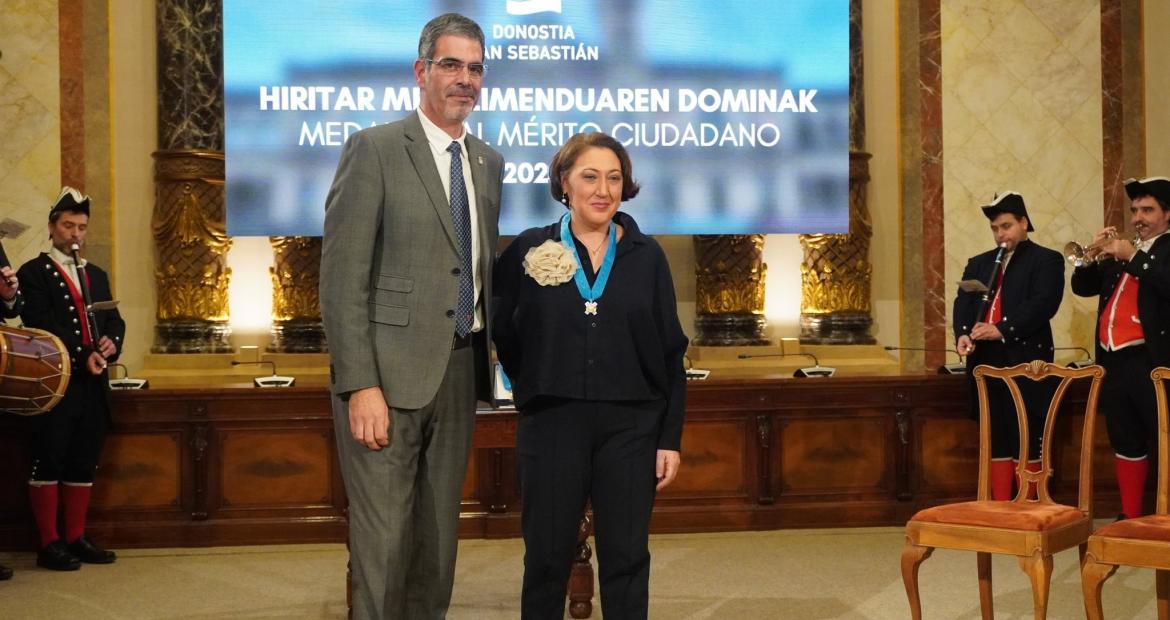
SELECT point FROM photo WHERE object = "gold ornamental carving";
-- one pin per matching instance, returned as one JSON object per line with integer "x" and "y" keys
{"x": 296, "y": 274}
{"x": 730, "y": 274}
{"x": 190, "y": 237}
{"x": 835, "y": 276}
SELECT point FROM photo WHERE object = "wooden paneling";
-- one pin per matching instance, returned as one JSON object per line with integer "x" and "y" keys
{"x": 951, "y": 446}
{"x": 248, "y": 466}
{"x": 834, "y": 456}
{"x": 13, "y": 469}
{"x": 275, "y": 468}
{"x": 140, "y": 471}
{"x": 715, "y": 464}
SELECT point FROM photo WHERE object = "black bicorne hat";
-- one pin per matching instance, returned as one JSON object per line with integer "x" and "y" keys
{"x": 70, "y": 200}
{"x": 1008, "y": 202}
{"x": 1158, "y": 187}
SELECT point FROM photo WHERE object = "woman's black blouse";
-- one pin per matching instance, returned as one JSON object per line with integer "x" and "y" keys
{"x": 631, "y": 350}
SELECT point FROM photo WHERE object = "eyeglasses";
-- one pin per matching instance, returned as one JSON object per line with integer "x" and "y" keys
{"x": 450, "y": 66}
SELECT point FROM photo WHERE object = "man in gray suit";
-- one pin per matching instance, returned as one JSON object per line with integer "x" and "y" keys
{"x": 410, "y": 238}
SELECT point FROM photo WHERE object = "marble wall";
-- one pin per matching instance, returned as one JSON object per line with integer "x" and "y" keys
{"x": 1022, "y": 111}
{"x": 30, "y": 106}
{"x": 1157, "y": 91}
{"x": 54, "y": 108}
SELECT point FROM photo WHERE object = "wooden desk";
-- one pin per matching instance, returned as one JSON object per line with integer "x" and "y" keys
{"x": 188, "y": 467}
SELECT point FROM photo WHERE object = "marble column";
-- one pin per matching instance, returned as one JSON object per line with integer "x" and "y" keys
{"x": 835, "y": 276}
{"x": 189, "y": 220}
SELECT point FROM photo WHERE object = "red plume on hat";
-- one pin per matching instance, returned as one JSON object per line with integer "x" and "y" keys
{"x": 1008, "y": 202}
{"x": 70, "y": 200}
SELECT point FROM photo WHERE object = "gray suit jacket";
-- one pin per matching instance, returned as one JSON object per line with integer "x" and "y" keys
{"x": 388, "y": 261}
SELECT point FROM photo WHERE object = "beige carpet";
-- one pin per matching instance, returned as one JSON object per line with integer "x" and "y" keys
{"x": 801, "y": 574}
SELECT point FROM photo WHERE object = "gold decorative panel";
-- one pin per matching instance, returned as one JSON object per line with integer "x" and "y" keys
{"x": 296, "y": 274}
{"x": 191, "y": 244}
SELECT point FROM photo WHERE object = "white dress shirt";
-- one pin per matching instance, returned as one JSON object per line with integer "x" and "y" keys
{"x": 439, "y": 141}
{"x": 66, "y": 262}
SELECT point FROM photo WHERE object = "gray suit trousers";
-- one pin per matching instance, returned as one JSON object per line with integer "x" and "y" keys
{"x": 404, "y": 501}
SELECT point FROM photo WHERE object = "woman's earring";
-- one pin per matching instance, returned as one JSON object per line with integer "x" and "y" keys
{"x": 565, "y": 199}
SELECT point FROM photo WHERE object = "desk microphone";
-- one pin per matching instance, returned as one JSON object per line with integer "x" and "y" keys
{"x": 268, "y": 382}
{"x": 816, "y": 370}
{"x": 953, "y": 368}
{"x": 1087, "y": 360}
{"x": 126, "y": 383}
{"x": 692, "y": 373}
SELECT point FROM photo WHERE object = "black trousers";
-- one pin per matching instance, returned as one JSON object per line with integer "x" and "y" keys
{"x": 1005, "y": 433}
{"x": 67, "y": 441}
{"x": 1128, "y": 401}
{"x": 572, "y": 451}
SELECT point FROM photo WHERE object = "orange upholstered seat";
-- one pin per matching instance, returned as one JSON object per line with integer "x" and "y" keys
{"x": 1149, "y": 527}
{"x": 1006, "y": 515}
{"x": 1144, "y": 541}
{"x": 1030, "y": 529}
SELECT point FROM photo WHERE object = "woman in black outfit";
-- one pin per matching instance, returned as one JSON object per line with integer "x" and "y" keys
{"x": 595, "y": 356}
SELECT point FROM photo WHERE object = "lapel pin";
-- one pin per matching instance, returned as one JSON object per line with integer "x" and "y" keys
{"x": 479, "y": 159}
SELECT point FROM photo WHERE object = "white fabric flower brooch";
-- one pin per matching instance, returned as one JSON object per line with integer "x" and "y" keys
{"x": 550, "y": 264}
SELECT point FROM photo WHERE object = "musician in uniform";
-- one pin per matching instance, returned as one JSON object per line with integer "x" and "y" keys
{"x": 1133, "y": 306}
{"x": 10, "y": 304}
{"x": 1009, "y": 325}
{"x": 67, "y": 440}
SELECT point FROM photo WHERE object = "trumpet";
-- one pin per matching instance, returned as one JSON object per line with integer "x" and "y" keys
{"x": 1079, "y": 255}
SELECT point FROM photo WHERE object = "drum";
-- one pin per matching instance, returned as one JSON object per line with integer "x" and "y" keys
{"x": 34, "y": 370}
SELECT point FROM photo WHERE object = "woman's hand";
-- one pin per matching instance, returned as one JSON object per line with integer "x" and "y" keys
{"x": 666, "y": 467}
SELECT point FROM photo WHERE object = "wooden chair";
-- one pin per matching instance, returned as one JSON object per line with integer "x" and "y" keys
{"x": 1032, "y": 530}
{"x": 1144, "y": 541}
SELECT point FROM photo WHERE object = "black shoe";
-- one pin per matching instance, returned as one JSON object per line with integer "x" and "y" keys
{"x": 90, "y": 553}
{"x": 5, "y": 573}
{"x": 56, "y": 557}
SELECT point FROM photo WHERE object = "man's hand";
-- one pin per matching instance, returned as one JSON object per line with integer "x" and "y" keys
{"x": 8, "y": 284}
{"x": 369, "y": 418}
{"x": 95, "y": 363}
{"x": 107, "y": 347}
{"x": 1103, "y": 234}
{"x": 666, "y": 467}
{"x": 985, "y": 331}
{"x": 964, "y": 345}
{"x": 1121, "y": 249}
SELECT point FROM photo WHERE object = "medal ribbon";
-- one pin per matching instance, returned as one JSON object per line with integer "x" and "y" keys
{"x": 598, "y": 289}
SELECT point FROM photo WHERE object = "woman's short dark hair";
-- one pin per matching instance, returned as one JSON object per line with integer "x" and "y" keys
{"x": 565, "y": 158}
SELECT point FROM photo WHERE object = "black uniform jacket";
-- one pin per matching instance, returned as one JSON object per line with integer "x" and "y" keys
{"x": 631, "y": 350}
{"x": 6, "y": 313}
{"x": 49, "y": 306}
{"x": 1152, "y": 269}
{"x": 1033, "y": 285}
